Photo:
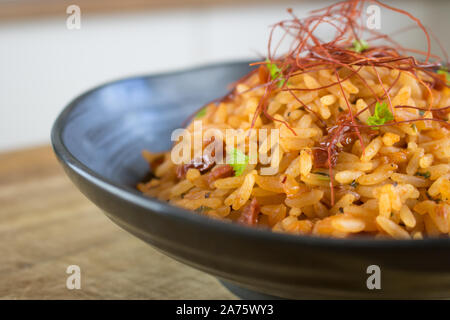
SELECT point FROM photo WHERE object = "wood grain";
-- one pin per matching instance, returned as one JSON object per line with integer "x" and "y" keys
{"x": 46, "y": 224}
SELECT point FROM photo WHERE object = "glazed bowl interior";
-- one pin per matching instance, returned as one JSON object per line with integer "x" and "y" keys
{"x": 115, "y": 122}
{"x": 98, "y": 139}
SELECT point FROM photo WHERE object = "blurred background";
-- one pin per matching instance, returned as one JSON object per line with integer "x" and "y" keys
{"x": 44, "y": 64}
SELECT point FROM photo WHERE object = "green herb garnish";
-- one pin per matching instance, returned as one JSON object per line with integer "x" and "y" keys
{"x": 444, "y": 71}
{"x": 201, "y": 113}
{"x": 421, "y": 112}
{"x": 238, "y": 161}
{"x": 322, "y": 176}
{"x": 359, "y": 46}
{"x": 426, "y": 175}
{"x": 275, "y": 73}
{"x": 381, "y": 116}
{"x": 354, "y": 184}
{"x": 202, "y": 209}
{"x": 431, "y": 198}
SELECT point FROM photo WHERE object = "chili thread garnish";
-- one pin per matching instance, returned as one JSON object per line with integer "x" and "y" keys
{"x": 344, "y": 55}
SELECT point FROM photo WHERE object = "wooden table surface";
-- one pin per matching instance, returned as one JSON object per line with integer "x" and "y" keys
{"x": 46, "y": 224}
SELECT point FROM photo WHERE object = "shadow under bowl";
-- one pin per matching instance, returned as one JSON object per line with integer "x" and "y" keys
{"x": 98, "y": 139}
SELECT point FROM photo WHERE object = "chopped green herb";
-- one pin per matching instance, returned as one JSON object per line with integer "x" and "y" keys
{"x": 359, "y": 46}
{"x": 421, "y": 112}
{"x": 322, "y": 176}
{"x": 238, "y": 161}
{"x": 426, "y": 175}
{"x": 275, "y": 73}
{"x": 202, "y": 209}
{"x": 414, "y": 127}
{"x": 354, "y": 184}
{"x": 445, "y": 72}
{"x": 201, "y": 113}
{"x": 381, "y": 116}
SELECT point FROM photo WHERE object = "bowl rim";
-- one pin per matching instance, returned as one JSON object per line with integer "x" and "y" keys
{"x": 158, "y": 207}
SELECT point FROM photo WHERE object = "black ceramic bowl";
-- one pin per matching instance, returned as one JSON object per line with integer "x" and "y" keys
{"x": 98, "y": 139}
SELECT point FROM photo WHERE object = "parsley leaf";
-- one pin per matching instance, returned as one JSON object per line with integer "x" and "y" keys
{"x": 201, "y": 113}
{"x": 381, "y": 116}
{"x": 322, "y": 176}
{"x": 202, "y": 209}
{"x": 359, "y": 46}
{"x": 426, "y": 175}
{"x": 275, "y": 73}
{"x": 238, "y": 161}
{"x": 354, "y": 184}
{"x": 444, "y": 71}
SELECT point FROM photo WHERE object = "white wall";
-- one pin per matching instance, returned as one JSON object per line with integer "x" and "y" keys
{"x": 43, "y": 65}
